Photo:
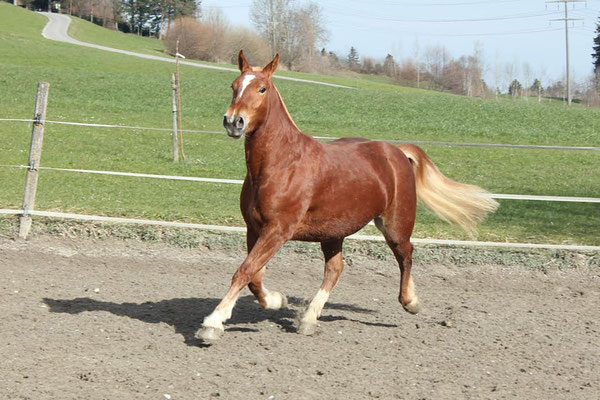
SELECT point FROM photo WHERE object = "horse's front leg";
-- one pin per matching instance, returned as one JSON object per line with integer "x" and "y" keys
{"x": 267, "y": 299}
{"x": 267, "y": 244}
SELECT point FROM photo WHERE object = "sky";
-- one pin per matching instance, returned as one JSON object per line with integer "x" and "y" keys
{"x": 510, "y": 32}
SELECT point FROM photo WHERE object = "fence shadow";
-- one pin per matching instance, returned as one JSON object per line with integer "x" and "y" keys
{"x": 186, "y": 314}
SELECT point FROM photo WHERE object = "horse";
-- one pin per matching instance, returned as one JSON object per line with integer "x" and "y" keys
{"x": 298, "y": 188}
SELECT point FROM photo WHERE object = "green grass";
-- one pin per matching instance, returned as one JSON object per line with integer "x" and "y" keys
{"x": 96, "y": 86}
{"x": 88, "y": 32}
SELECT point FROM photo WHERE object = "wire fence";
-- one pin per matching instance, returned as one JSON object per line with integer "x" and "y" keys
{"x": 359, "y": 237}
{"x": 567, "y": 199}
{"x": 419, "y": 142}
{"x": 28, "y": 210}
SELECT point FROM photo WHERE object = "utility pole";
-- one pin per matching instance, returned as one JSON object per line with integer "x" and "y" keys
{"x": 567, "y": 19}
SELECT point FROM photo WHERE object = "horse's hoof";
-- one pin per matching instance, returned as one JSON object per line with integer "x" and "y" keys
{"x": 414, "y": 307}
{"x": 307, "y": 328}
{"x": 209, "y": 334}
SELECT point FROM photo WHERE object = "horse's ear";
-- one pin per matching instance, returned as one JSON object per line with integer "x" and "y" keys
{"x": 272, "y": 66}
{"x": 242, "y": 63}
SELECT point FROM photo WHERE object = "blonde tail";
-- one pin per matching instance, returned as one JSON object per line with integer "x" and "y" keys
{"x": 454, "y": 202}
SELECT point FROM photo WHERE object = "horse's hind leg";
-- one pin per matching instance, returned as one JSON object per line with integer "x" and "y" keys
{"x": 267, "y": 299}
{"x": 334, "y": 265}
{"x": 399, "y": 241}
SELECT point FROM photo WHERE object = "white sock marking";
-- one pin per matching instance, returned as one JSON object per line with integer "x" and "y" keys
{"x": 218, "y": 316}
{"x": 316, "y": 306}
{"x": 274, "y": 300}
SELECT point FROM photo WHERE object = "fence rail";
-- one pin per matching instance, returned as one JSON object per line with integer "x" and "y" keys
{"x": 419, "y": 142}
{"x": 567, "y": 199}
{"x": 39, "y": 122}
{"x": 238, "y": 229}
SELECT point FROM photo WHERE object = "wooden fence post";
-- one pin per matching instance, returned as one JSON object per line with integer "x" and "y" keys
{"x": 35, "y": 154}
{"x": 174, "y": 116}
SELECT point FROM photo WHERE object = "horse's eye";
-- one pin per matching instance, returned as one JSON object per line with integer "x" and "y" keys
{"x": 262, "y": 89}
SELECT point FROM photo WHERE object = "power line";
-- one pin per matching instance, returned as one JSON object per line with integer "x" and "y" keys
{"x": 587, "y": 12}
{"x": 449, "y": 4}
{"x": 532, "y": 14}
{"x": 467, "y": 34}
{"x": 524, "y": 32}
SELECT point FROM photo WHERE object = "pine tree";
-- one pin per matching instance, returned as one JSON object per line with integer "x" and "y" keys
{"x": 596, "y": 56}
{"x": 353, "y": 62}
{"x": 596, "y": 53}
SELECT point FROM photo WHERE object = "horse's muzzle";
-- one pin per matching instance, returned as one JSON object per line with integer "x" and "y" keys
{"x": 235, "y": 127}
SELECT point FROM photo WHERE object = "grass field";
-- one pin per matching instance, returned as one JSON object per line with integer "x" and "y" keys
{"x": 89, "y": 85}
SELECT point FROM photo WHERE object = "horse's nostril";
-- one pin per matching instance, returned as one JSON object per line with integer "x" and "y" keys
{"x": 239, "y": 122}
{"x": 225, "y": 122}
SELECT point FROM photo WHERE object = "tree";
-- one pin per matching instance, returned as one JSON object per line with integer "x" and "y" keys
{"x": 292, "y": 32}
{"x": 309, "y": 28}
{"x": 272, "y": 19}
{"x": 509, "y": 74}
{"x": 153, "y": 16}
{"x": 166, "y": 11}
{"x": 536, "y": 87}
{"x": 515, "y": 88}
{"x": 368, "y": 66}
{"x": 215, "y": 45}
{"x": 526, "y": 78}
{"x": 253, "y": 44}
{"x": 389, "y": 66}
{"x": 596, "y": 55}
{"x": 596, "y": 47}
{"x": 353, "y": 63}
{"x": 334, "y": 61}
{"x": 436, "y": 58}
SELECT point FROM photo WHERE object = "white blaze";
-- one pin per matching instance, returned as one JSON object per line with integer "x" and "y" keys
{"x": 245, "y": 82}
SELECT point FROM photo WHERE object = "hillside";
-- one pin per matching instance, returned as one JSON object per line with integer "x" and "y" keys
{"x": 89, "y": 85}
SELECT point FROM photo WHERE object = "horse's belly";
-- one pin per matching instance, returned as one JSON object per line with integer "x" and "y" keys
{"x": 317, "y": 226}
{"x": 325, "y": 231}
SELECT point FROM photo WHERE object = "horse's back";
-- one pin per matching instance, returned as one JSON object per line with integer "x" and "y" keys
{"x": 384, "y": 158}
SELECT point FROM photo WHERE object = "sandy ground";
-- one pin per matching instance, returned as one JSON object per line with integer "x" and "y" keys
{"x": 85, "y": 319}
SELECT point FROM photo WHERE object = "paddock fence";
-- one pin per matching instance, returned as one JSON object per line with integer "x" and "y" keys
{"x": 33, "y": 168}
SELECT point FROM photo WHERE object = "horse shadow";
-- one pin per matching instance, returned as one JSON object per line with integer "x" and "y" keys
{"x": 186, "y": 314}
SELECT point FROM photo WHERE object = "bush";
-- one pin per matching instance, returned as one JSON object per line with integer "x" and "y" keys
{"x": 255, "y": 48}
{"x": 187, "y": 31}
{"x": 214, "y": 41}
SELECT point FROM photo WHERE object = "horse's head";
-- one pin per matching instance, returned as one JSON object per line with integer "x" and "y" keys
{"x": 251, "y": 89}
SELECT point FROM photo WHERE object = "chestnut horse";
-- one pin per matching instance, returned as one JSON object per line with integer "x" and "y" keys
{"x": 297, "y": 188}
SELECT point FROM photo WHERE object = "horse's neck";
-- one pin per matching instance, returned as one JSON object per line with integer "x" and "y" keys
{"x": 274, "y": 140}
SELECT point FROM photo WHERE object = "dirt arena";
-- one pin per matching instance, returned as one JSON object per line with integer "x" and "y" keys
{"x": 108, "y": 319}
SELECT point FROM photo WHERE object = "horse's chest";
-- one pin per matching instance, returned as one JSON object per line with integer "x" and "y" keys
{"x": 264, "y": 206}
{"x": 255, "y": 216}
{"x": 251, "y": 210}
